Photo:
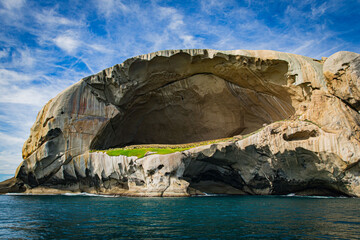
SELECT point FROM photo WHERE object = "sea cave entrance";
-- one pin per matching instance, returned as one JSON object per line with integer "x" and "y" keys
{"x": 199, "y": 107}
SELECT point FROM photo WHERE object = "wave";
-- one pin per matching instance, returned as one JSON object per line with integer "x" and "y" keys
{"x": 29, "y": 194}
{"x": 300, "y": 196}
{"x": 211, "y": 195}
{"x": 87, "y": 195}
{"x": 61, "y": 194}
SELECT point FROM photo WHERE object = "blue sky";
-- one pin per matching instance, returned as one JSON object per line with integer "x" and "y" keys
{"x": 46, "y": 46}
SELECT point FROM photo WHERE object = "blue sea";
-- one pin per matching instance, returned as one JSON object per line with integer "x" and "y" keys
{"x": 211, "y": 217}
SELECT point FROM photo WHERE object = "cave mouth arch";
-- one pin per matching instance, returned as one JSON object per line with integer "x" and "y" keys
{"x": 196, "y": 108}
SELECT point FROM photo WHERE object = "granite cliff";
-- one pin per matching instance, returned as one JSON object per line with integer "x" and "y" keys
{"x": 295, "y": 120}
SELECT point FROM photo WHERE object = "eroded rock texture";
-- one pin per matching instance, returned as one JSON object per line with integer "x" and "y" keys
{"x": 301, "y": 114}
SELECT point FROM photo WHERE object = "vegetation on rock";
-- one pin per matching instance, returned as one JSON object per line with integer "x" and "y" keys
{"x": 141, "y": 150}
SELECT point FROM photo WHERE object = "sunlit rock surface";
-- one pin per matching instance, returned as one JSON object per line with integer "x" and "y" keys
{"x": 296, "y": 120}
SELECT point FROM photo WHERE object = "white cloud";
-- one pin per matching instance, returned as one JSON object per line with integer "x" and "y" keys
{"x": 4, "y": 53}
{"x": 52, "y": 18}
{"x": 16, "y": 87}
{"x": 10, "y": 159}
{"x": 13, "y": 58}
{"x": 87, "y": 65}
{"x": 303, "y": 47}
{"x": 100, "y": 48}
{"x": 176, "y": 22}
{"x": 13, "y": 4}
{"x": 16, "y": 120}
{"x": 10, "y": 152}
{"x": 25, "y": 58}
{"x": 36, "y": 96}
{"x": 11, "y": 13}
{"x": 175, "y": 29}
{"x": 209, "y": 6}
{"x": 171, "y": 14}
{"x": 189, "y": 41}
{"x": 8, "y": 140}
{"x": 9, "y": 77}
{"x": 317, "y": 11}
{"x": 110, "y": 7}
{"x": 67, "y": 43}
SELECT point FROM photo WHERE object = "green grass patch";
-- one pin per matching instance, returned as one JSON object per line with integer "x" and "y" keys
{"x": 140, "y": 152}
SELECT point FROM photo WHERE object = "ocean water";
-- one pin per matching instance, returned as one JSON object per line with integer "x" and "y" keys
{"x": 221, "y": 217}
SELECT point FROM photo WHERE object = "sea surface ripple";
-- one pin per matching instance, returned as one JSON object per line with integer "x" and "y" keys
{"x": 222, "y": 217}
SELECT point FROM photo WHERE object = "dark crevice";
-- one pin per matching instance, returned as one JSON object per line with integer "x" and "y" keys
{"x": 310, "y": 188}
{"x": 51, "y": 134}
{"x": 300, "y": 135}
{"x": 349, "y": 105}
{"x": 352, "y": 165}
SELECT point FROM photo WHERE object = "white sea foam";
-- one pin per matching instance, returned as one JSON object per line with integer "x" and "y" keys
{"x": 210, "y": 195}
{"x": 87, "y": 195}
{"x": 61, "y": 194}
{"x": 29, "y": 194}
{"x": 294, "y": 195}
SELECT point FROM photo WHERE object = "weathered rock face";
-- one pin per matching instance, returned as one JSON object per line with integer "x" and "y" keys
{"x": 342, "y": 72}
{"x": 309, "y": 145}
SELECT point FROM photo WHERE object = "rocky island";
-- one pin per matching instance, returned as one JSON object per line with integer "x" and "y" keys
{"x": 231, "y": 122}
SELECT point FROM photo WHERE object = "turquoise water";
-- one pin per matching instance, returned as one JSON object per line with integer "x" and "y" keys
{"x": 226, "y": 217}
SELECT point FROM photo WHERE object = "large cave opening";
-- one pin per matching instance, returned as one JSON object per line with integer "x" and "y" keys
{"x": 204, "y": 105}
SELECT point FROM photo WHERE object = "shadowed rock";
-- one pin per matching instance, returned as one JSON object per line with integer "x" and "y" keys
{"x": 12, "y": 185}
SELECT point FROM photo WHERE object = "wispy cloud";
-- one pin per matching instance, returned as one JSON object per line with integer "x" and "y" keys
{"x": 13, "y": 4}
{"x": 9, "y": 140}
{"x": 317, "y": 11}
{"x": 20, "y": 95}
{"x": 67, "y": 43}
{"x": 15, "y": 123}
{"x": 23, "y": 58}
{"x": 176, "y": 26}
{"x": 8, "y": 77}
{"x": 110, "y": 7}
{"x": 51, "y": 18}
{"x": 4, "y": 53}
